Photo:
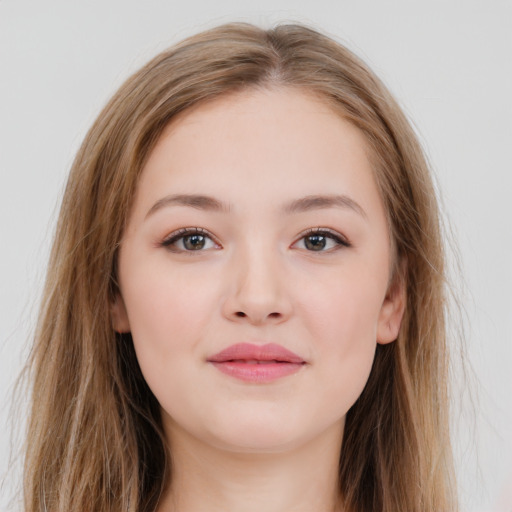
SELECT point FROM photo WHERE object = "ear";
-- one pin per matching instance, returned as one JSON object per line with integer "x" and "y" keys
{"x": 392, "y": 311}
{"x": 119, "y": 315}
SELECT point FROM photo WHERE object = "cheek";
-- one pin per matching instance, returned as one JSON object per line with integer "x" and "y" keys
{"x": 342, "y": 317}
{"x": 168, "y": 313}
{"x": 342, "y": 308}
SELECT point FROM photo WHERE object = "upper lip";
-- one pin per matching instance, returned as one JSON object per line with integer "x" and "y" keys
{"x": 249, "y": 351}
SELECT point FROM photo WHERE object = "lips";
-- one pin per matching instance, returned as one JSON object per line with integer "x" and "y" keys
{"x": 257, "y": 353}
{"x": 257, "y": 363}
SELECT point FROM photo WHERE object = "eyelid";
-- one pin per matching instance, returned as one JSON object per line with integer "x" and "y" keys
{"x": 173, "y": 237}
{"x": 335, "y": 235}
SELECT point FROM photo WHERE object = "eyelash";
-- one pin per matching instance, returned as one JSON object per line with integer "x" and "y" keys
{"x": 184, "y": 232}
{"x": 340, "y": 240}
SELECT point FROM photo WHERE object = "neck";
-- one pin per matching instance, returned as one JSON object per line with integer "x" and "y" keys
{"x": 206, "y": 478}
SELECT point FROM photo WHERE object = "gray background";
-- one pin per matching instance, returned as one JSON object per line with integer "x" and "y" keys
{"x": 449, "y": 64}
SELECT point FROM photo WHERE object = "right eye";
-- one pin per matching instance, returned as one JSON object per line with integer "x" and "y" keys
{"x": 190, "y": 240}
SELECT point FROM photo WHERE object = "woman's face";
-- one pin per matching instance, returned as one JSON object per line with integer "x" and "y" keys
{"x": 257, "y": 221}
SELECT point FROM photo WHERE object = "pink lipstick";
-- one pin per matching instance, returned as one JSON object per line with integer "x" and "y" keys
{"x": 257, "y": 363}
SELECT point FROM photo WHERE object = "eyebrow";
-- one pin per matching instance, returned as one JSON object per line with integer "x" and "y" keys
{"x": 303, "y": 204}
{"x": 318, "y": 202}
{"x": 197, "y": 201}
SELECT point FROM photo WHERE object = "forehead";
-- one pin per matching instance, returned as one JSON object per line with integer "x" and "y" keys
{"x": 289, "y": 114}
{"x": 263, "y": 146}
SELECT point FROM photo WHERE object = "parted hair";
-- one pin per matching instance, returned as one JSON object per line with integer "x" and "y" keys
{"x": 95, "y": 440}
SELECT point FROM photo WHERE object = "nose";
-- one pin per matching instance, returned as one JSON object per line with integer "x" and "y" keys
{"x": 258, "y": 291}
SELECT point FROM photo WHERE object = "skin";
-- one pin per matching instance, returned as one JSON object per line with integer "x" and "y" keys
{"x": 241, "y": 445}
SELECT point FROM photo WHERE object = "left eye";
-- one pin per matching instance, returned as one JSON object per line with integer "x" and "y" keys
{"x": 188, "y": 240}
{"x": 321, "y": 240}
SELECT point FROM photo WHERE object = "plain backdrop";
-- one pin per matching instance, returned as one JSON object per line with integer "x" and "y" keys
{"x": 449, "y": 64}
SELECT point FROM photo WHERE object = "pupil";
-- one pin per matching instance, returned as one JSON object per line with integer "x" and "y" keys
{"x": 315, "y": 242}
{"x": 194, "y": 242}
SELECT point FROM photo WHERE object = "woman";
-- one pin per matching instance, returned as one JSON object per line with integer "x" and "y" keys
{"x": 245, "y": 301}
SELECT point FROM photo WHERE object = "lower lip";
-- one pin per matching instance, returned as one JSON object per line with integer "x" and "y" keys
{"x": 253, "y": 372}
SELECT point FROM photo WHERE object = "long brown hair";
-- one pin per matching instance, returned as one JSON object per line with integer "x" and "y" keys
{"x": 95, "y": 439}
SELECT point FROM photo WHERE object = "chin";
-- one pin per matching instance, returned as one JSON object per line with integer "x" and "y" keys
{"x": 258, "y": 435}
{"x": 256, "y": 442}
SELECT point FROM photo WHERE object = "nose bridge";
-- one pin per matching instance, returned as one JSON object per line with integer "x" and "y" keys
{"x": 258, "y": 288}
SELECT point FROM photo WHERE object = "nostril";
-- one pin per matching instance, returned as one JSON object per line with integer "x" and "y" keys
{"x": 276, "y": 315}
{"x": 241, "y": 314}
